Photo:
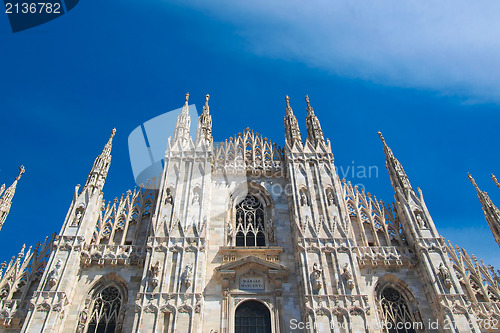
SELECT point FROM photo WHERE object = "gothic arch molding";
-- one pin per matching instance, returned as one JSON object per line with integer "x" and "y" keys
{"x": 252, "y": 188}
{"x": 241, "y": 306}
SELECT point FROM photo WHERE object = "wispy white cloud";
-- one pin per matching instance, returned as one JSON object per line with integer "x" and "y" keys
{"x": 449, "y": 46}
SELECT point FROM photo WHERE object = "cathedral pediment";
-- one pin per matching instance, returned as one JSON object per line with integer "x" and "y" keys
{"x": 251, "y": 262}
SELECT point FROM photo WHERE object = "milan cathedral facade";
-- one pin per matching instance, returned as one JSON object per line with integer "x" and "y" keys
{"x": 246, "y": 236}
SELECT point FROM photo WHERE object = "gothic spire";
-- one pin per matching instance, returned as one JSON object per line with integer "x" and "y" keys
{"x": 204, "y": 129}
{"x": 181, "y": 132}
{"x": 495, "y": 180}
{"x": 491, "y": 212}
{"x": 398, "y": 176}
{"x": 314, "y": 132}
{"x": 6, "y": 198}
{"x": 292, "y": 131}
{"x": 99, "y": 171}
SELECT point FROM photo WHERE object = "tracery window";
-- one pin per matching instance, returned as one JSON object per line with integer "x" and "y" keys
{"x": 396, "y": 315}
{"x": 250, "y": 230}
{"x": 105, "y": 311}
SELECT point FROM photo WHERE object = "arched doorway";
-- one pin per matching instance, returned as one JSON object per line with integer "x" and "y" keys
{"x": 252, "y": 317}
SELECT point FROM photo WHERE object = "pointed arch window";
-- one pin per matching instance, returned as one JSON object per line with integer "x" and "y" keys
{"x": 396, "y": 315}
{"x": 250, "y": 230}
{"x": 104, "y": 317}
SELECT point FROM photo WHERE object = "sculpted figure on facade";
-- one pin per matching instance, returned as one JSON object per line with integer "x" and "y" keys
{"x": 196, "y": 198}
{"x": 230, "y": 231}
{"x": 154, "y": 272}
{"x": 78, "y": 216}
{"x": 329, "y": 197}
{"x": 444, "y": 273}
{"x": 420, "y": 220}
{"x": 347, "y": 275}
{"x": 303, "y": 199}
{"x": 169, "y": 199}
{"x": 188, "y": 275}
{"x": 316, "y": 277}
{"x": 54, "y": 274}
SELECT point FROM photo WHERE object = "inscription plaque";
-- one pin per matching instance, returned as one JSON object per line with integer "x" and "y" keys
{"x": 251, "y": 283}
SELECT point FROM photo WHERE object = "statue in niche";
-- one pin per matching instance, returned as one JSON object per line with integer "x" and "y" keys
{"x": 188, "y": 275}
{"x": 420, "y": 220}
{"x": 169, "y": 199}
{"x": 348, "y": 277}
{"x": 329, "y": 198}
{"x": 316, "y": 277}
{"x": 303, "y": 199}
{"x": 154, "y": 271}
{"x": 55, "y": 273}
{"x": 78, "y": 217}
{"x": 445, "y": 275}
{"x": 230, "y": 231}
{"x": 196, "y": 198}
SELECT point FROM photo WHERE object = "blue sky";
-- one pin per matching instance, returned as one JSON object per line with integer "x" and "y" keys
{"x": 426, "y": 75}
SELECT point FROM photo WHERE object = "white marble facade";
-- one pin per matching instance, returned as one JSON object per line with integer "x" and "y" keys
{"x": 246, "y": 236}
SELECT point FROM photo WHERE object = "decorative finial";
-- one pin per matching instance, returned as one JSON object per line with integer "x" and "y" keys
{"x": 187, "y": 98}
{"x": 495, "y": 180}
{"x": 21, "y": 171}
{"x": 381, "y": 136}
{"x": 113, "y": 132}
{"x": 207, "y": 97}
{"x": 471, "y": 179}
{"x": 310, "y": 110}
{"x": 287, "y": 102}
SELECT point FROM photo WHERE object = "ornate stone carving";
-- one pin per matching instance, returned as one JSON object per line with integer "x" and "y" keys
{"x": 444, "y": 273}
{"x": 43, "y": 307}
{"x": 154, "y": 271}
{"x": 196, "y": 198}
{"x": 420, "y": 219}
{"x": 347, "y": 275}
{"x": 78, "y": 217}
{"x": 230, "y": 231}
{"x": 303, "y": 199}
{"x": 316, "y": 277}
{"x": 54, "y": 274}
{"x": 330, "y": 198}
{"x": 187, "y": 276}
